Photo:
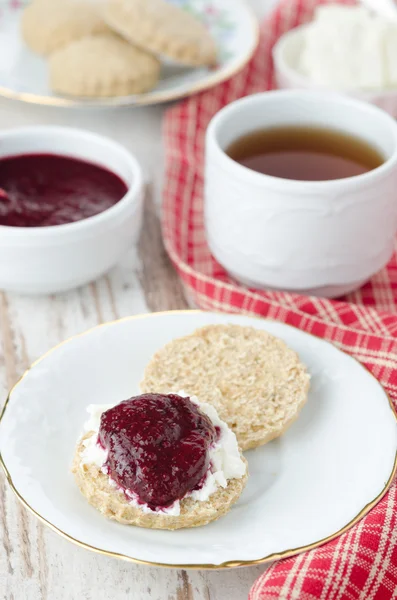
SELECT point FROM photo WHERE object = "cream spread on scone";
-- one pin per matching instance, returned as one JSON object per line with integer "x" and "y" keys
{"x": 224, "y": 460}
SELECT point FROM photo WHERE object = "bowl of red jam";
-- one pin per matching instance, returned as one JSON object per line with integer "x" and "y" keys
{"x": 70, "y": 207}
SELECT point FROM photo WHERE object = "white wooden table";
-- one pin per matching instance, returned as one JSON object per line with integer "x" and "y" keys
{"x": 35, "y": 563}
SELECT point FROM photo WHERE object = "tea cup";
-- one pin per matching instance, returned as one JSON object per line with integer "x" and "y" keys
{"x": 323, "y": 238}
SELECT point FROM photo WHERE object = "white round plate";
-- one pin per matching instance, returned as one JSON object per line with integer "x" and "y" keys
{"x": 305, "y": 488}
{"x": 24, "y": 76}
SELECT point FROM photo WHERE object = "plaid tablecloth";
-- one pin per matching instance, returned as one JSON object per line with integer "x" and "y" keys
{"x": 362, "y": 563}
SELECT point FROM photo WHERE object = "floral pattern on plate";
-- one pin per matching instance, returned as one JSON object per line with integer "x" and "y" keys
{"x": 217, "y": 20}
{"x": 24, "y": 76}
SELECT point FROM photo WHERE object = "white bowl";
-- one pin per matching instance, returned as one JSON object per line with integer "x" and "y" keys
{"x": 385, "y": 8}
{"x": 286, "y": 55}
{"x": 43, "y": 260}
{"x": 322, "y": 238}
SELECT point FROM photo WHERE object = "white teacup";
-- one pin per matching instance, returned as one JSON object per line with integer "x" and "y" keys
{"x": 314, "y": 237}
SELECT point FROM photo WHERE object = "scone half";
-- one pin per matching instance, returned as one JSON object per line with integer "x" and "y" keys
{"x": 221, "y": 486}
{"x": 257, "y": 384}
{"x": 162, "y": 28}
{"x": 102, "y": 66}
{"x": 112, "y": 503}
{"x": 48, "y": 25}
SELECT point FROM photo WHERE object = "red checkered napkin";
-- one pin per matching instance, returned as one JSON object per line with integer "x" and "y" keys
{"x": 362, "y": 563}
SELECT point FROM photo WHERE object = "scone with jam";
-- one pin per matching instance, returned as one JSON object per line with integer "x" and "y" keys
{"x": 159, "y": 461}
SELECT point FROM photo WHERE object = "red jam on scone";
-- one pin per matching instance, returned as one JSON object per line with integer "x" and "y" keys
{"x": 157, "y": 447}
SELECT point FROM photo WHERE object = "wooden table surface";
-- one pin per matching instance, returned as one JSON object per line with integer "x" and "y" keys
{"x": 36, "y": 563}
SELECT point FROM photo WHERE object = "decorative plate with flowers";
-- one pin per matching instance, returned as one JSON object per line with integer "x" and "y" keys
{"x": 23, "y": 75}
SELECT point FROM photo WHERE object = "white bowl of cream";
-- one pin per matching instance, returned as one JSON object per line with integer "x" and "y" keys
{"x": 345, "y": 49}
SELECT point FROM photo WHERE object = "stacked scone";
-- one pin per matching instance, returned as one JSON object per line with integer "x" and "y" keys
{"x": 169, "y": 460}
{"x": 113, "y": 47}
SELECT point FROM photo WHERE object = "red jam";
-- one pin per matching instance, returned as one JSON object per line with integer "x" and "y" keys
{"x": 158, "y": 447}
{"x": 37, "y": 190}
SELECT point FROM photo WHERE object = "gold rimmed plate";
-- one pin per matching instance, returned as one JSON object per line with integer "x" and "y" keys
{"x": 24, "y": 75}
{"x": 326, "y": 472}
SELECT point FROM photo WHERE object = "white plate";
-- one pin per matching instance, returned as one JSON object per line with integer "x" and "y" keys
{"x": 333, "y": 464}
{"x": 23, "y": 74}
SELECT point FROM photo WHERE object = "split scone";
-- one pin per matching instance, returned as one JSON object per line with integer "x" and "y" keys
{"x": 162, "y": 462}
{"x": 102, "y": 66}
{"x": 162, "y": 28}
{"x": 48, "y": 25}
{"x": 256, "y": 383}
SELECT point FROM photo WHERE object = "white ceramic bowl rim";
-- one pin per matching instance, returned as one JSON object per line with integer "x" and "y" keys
{"x": 133, "y": 188}
{"x": 229, "y": 112}
{"x": 284, "y": 66}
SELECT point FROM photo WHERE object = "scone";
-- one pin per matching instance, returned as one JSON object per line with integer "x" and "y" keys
{"x": 48, "y": 25}
{"x": 102, "y": 66}
{"x": 162, "y": 462}
{"x": 162, "y": 28}
{"x": 256, "y": 383}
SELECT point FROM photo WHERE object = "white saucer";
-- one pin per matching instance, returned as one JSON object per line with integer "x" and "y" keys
{"x": 326, "y": 472}
{"x": 24, "y": 76}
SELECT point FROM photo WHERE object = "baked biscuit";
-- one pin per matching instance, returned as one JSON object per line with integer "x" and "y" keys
{"x": 256, "y": 383}
{"x": 162, "y": 28}
{"x": 48, "y": 25}
{"x": 95, "y": 486}
{"x": 102, "y": 66}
